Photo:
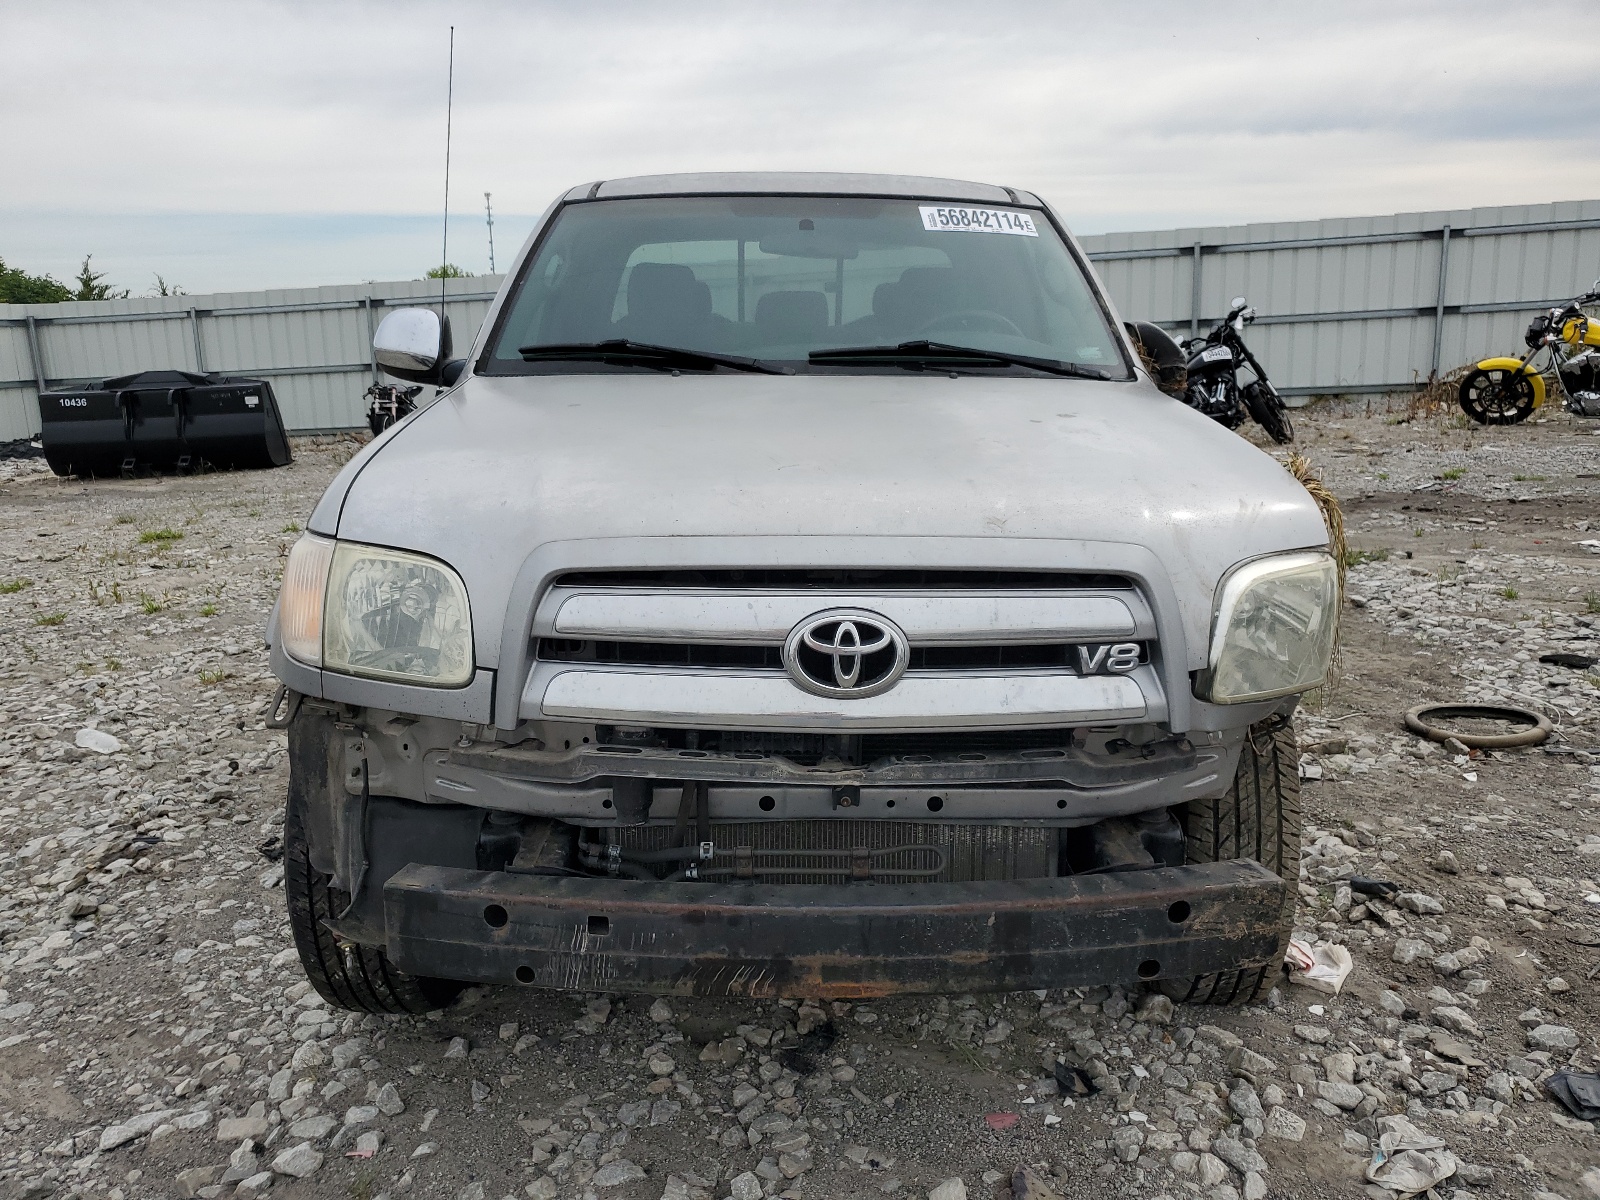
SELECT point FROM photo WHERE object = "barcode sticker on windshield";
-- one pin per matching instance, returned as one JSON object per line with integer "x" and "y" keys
{"x": 976, "y": 220}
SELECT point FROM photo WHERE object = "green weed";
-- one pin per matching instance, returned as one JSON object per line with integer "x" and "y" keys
{"x": 1452, "y": 473}
{"x": 50, "y": 619}
{"x": 12, "y": 586}
{"x": 161, "y": 537}
{"x": 1354, "y": 558}
{"x": 1510, "y": 593}
{"x": 149, "y": 603}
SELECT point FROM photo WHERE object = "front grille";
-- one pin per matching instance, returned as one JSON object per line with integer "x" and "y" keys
{"x": 845, "y": 578}
{"x": 712, "y": 654}
{"x": 972, "y": 852}
{"x": 808, "y": 749}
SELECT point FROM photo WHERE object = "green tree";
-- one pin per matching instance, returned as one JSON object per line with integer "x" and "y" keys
{"x": 448, "y": 271}
{"x": 90, "y": 286}
{"x": 18, "y": 287}
{"x": 163, "y": 288}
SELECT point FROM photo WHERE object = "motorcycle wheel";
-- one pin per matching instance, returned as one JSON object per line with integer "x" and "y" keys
{"x": 1269, "y": 412}
{"x": 1497, "y": 397}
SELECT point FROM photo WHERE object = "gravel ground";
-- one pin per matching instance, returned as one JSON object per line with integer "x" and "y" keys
{"x": 157, "y": 1037}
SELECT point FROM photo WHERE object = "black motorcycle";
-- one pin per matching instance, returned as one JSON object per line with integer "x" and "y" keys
{"x": 1204, "y": 373}
{"x": 388, "y": 404}
{"x": 1214, "y": 362}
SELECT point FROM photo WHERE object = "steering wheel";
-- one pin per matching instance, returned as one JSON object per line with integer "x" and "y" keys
{"x": 973, "y": 320}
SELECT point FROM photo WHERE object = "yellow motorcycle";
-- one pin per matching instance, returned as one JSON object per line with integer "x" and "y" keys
{"x": 1503, "y": 391}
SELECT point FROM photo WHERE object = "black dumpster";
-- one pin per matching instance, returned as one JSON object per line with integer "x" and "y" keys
{"x": 164, "y": 421}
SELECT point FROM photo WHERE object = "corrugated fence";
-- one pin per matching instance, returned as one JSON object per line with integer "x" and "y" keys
{"x": 1347, "y": 305}
{"x": 1362, "y": 304}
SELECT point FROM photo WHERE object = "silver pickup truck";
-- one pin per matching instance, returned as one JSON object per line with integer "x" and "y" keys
{"x": 799, "y": 589}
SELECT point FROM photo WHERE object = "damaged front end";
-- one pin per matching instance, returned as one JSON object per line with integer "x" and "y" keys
{"x": 707, "y": 863}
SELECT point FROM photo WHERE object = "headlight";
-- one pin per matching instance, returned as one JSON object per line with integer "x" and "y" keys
{"x": 384, "y": 614}
{"x": 1272, "y": 634}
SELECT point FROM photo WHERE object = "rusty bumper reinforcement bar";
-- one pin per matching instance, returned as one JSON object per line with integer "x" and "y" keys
{"x": 837, "y": 942}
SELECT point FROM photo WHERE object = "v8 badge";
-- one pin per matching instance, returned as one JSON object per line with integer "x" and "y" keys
{"x": 1108, "y": 658}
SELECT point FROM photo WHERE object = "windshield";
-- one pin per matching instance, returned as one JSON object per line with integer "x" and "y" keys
{"x": 779, "y": 278}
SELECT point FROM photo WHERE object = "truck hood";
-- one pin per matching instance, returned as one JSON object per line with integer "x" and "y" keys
{"x": 501, "y": 466}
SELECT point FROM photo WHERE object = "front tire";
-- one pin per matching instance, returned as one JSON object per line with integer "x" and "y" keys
{"x": 1259, "y": 818}
{"x": 1269, "y": 412}
{"x": 351, "y": 976}
{"x": 1497, "y": 397}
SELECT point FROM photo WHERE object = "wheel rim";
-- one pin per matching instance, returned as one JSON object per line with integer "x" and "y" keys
{"x": 1498, "y": 393}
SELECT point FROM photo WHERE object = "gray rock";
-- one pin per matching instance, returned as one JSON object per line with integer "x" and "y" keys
{"x": 1420, "y": 903}
{"x": 953, "y": 1188}
{"x": 1255, "y": 1187}
{"x": 1552, "y": 1037}
{"x": 1285, "y": 1125}
{"x": 313, "y": 1129}
{"x": 1245, "y": 1103}
{"x": 1126, "y": 1141}
{"x": 1457, "y": 1020}
{"x": 457, "y": 1048}
{"x": 634, "y": 1113}
{"x": 616, "y": 1173}
{"x": 361, "y": 1114}
{"x": 1184, "y": 1162}
{"x": 388, "y": 1100}
{"x": 255, "y": 1185}
{"x": 1237, "y": 1155}
{"x": 545, "y": 1188}
{"x": 1251, "y": 1065}
{"x": 1155, "y": 1009}
{"x": 191, "y": 1181}
{"x": 1212, "y": 1170}
{"x": 191, "y": 1122}
{"x": 1315, "y": 1034}
{"x": 133, "y": 1128}
{"x": 299, "y": 1161}
{"x": 795, "y": 1163}
{"x": 746, "y": 1186}
{"x": 1408, "y": 950}
{"x": 664, "y": 1112}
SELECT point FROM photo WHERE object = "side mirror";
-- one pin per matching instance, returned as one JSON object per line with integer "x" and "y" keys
{"x": 414, "y": 344}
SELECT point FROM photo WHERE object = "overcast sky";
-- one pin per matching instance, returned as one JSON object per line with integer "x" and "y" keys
{"x": 266, "y": 144}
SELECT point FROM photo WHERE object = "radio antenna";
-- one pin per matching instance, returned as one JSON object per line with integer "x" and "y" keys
{"x": 489, "y": 212}
{"x": 449, "y": 113}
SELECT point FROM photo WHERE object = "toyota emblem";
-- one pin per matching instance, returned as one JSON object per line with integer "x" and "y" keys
{"x": 846, "y": 653}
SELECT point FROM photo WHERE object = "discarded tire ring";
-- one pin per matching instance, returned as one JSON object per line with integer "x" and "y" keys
{"x": 1542, "y": 728}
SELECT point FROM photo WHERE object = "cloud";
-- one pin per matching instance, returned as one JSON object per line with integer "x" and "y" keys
{"x": 320, "y": 126}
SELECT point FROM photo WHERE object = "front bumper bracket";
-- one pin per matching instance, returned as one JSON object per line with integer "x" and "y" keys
{"x": 855, "y": 942}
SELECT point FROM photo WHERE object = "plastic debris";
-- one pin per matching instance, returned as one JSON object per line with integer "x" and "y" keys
{"x": 1074, "y": 1081}
{"x": 1407, "y": 1161}
{"x": 1001, "y": 1120}
{"x": 1323, "y": 966}
{"x": 1579, "y": 1093}
{"x": 97, "y": 740}
{"x": 1372, "y": 887}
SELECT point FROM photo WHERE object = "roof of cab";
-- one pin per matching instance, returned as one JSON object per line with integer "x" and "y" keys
{"x": 831, "y": 183}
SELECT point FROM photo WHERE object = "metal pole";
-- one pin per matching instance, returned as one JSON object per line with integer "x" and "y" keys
{"x": 488, "y": 211}
{"x": 199, "y": 350}
{"x": 1194, "y": 293}
{"x": 1438, "y": 303}
{"x": 372, "y": 332}
{"x": 36, "y": 355}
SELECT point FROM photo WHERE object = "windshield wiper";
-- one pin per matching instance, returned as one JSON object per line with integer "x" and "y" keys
{"x": 915, "y": 354}
{"x": 661, "y": 358}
